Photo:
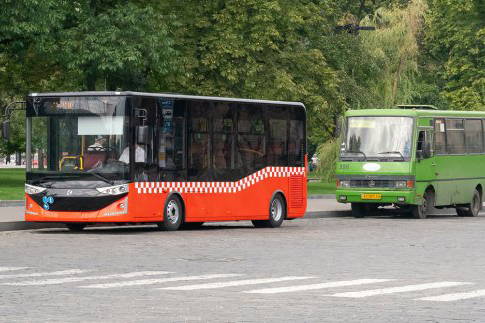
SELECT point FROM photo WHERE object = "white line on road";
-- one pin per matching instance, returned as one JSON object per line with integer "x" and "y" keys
{"x": 157, "y": 281}
{"x": 78, "y": 279}
{"x": 12, "y": 268}
{"x": 401, "y": 289}
{"x": 290, "y": 289}
{"x": 235, "y": 283}
{"x": 454, "y": 297}
{"x": 53, "y": 273}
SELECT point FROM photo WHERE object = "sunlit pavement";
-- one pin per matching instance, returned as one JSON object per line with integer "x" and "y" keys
{"x": 383, "y": 268}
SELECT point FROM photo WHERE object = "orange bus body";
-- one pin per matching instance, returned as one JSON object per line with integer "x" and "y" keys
{"x": 246, "y": 199}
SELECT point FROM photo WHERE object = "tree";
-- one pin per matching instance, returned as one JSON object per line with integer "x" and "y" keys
{"x": 456, "y": 38}
{"x": 258, "y": 49}
{"x": 395, "y": 45}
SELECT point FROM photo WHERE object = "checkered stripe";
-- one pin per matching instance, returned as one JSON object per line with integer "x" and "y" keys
{"x": 218, "y": 187}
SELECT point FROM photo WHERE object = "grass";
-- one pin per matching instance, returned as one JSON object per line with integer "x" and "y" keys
{"x": 315, "y": 188}
{"x": 12, "y": 183}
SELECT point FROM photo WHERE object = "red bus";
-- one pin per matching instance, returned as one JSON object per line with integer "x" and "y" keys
{"x": 172, "y": 160}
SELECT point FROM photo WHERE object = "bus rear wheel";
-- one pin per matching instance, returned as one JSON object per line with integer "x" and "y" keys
{"x": 277, "y": 213}
{"x": 75, "y": 227}
{"x": 172, "y": 215}
{"x": 473, "y": 208}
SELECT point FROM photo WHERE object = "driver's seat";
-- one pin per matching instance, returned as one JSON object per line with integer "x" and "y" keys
{"x": 92, "y": 158}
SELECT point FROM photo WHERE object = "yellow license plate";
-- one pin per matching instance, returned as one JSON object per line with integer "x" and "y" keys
{"x": 371, "y": 196}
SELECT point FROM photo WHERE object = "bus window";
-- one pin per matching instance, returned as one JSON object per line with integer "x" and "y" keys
{"x": 297, "y": 139}
{"x": 474, "y": 136}
{"x": 440, "y": 136}
{"x": 223, "y": 116}
{"x": 277, "y": 145}
{"x": 455, "y": 136}
{"x": 251, "y": 143}
{"x": 199, "y": 139}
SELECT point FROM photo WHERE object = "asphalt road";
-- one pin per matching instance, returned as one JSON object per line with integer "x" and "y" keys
{"x": 331, "y": 269}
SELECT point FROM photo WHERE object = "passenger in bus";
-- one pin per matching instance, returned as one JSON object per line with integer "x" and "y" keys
{"x": 140, "y": 155}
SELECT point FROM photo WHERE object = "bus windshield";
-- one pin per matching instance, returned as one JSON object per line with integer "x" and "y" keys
{"x": 79, "y": 138}
{"x": 378, "y": 138}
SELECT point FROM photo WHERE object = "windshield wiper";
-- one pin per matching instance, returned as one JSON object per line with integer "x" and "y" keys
{"x": 44, "y": 178}
{"x": 102, "y": 177}
{"x": 392, "y": 152}
{"x": 357, "y": 152}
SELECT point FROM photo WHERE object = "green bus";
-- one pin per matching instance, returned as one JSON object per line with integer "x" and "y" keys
{"x": 412, "y": 157}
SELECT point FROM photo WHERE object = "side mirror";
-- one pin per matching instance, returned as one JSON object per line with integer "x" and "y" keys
{"x": 6, "y": 130}
{"x": 142, "y": 135}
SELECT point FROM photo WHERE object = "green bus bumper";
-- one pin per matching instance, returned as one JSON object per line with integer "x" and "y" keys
{"x": 397, "y": 197}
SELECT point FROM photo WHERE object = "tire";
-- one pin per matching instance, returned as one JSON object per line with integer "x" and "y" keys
{"x": 173, "y": 215}
{"x": 75, "y": 227}
{"x": 473, "y": 208}
{"x": 191, "y": 225}
{"x": 359, "y": 210}
{"x": 421, "y": 211}
{"x": 277, "y": 213}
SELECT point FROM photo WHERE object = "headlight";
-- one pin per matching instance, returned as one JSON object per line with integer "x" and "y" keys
{"x": 30, "y": 189}
{"x": 344, "y": 183}
{"x": 114, "y": 190}
{"x": 401, "y": 184}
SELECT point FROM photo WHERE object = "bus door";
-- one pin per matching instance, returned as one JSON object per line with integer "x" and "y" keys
{"x": 425, "y": 158}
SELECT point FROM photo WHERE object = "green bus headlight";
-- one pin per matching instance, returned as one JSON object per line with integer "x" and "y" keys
{"x": 401, "y": 184}
{"x": 345, "y": 184}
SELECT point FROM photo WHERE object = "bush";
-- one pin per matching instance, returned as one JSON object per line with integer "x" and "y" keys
{"x": 327, "y": 154}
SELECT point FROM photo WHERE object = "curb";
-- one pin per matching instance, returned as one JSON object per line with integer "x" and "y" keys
{"x": 22, "y": 225}
{"x": 8, "y": 203}
{"x": 321, "y": 196}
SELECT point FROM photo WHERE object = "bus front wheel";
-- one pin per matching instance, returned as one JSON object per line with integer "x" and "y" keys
{"x": 277, "y": 213}
{"x": 75, "y": 227}
{"x": 359, "y": 210}
{"x": 421, "y": 211}
{"x": 172, "y": 215}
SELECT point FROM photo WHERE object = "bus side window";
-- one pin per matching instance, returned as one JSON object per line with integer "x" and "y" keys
{"x": 440, "y": 136}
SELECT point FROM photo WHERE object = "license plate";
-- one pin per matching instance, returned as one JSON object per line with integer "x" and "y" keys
{"x": 371, "y": 196}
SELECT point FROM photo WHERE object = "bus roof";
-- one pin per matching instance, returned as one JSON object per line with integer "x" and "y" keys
{"x": 162, "y": 95}
{"x": 414, "y": 113}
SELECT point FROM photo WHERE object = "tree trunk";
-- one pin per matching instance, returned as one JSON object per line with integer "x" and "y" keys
{"x": 396, "y": 78}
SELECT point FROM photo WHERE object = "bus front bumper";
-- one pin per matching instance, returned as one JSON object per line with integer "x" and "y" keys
{"x": 384, "y": 197}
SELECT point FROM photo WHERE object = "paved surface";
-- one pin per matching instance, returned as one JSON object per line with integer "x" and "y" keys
{"x": 332, "y": 269}
{"x": 12, "y": 218}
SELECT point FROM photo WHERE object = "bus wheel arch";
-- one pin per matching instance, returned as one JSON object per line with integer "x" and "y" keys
{"x": 285, "y": 201}
{"x": 173, "y": 212}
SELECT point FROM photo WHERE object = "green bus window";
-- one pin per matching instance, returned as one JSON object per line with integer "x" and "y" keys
{"x": 455, "y": 136}
{"x": 439, "y": 135}
{"x": 474, "y": 136}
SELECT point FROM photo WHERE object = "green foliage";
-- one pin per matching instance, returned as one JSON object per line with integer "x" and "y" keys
{"x": 327, "y": 160}
{"x": 456, "y": 37}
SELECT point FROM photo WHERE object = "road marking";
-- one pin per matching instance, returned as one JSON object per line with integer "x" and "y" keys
{"x": 235, "y": 283}
{"x": 78, "y": 279}
{"x": 401, "y": 289}
{"x": 290, "y": 289}
{"x": 12, "y": 268}
{"x": 157, "y": 281}
{"x": 454, "y": 297}
{"x": 53, "y": 273}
